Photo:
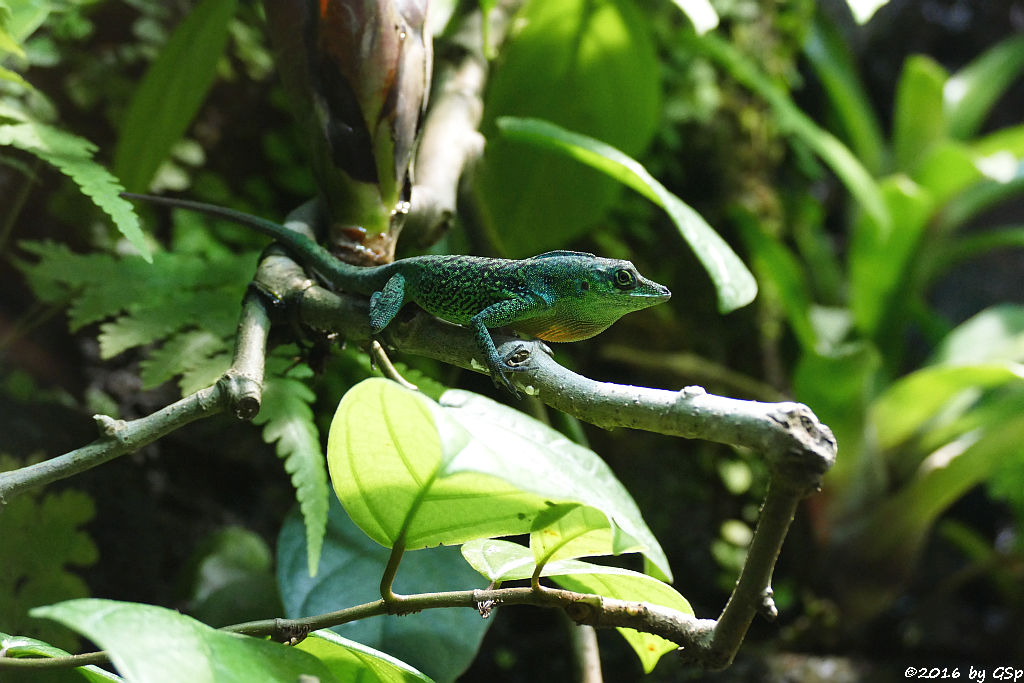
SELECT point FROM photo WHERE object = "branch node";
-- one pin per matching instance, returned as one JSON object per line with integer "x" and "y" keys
{"x": 110, "y": 427}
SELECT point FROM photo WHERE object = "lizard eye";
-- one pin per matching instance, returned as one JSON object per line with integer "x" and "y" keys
{"x": 624, "y": 279}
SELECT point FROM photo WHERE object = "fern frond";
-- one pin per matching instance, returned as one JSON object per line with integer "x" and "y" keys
{"x": 287, "y": 419}
{"x": 180, "y": 354}
{"x": 72, "y": 156}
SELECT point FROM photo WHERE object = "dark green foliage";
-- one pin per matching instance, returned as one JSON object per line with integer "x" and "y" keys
{"x": 42, "y": 543}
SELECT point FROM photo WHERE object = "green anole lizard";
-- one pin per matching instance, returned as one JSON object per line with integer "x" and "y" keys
{"x": 559, "y": 296}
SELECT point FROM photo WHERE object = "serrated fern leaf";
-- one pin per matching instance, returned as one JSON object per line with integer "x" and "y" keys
{"x": 287, "y": 419}
{"x": 204, "y": 373}
{"x": 163, "y": 317}
{"x": 42, "y": 542}
{"x": 72, "y": 156}
{"x": 181, "y": 353}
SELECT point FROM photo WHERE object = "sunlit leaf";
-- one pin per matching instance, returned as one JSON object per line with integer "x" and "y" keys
{"x": 504, "y": 561}
{"x": 408, "y": 469}
{"x": 911, "y": 402}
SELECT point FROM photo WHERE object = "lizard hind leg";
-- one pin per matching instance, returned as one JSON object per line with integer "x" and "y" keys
{"x": 385, "y": 304}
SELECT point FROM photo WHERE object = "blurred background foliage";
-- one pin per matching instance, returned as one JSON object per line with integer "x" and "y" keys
{"x": 871, "y": 175}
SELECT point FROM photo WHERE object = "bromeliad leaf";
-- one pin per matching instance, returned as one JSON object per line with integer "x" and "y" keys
{"x": 407, "y": 469}
{"x": 735, "y": 285}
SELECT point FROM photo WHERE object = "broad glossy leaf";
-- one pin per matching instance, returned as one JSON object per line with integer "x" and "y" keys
{"x": 504, "y": 561}
{"x": 587, "y": 65}
{"x": 439, "y": 642}
{"x": 20, "y": 646}
{"x": 352, "y": 661}
{"x": 155, "y": 644}
{"x": 405, "y": 467}
{"x": 170, "y": 93}
{"x": 918, "y": 120}
{"x": 910, "y": 403}
{"x": 972, "y": 92}
{"x": 735, "y": 285}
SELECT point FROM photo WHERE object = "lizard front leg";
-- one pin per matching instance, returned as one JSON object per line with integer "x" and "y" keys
{"x": 497, "y": 315}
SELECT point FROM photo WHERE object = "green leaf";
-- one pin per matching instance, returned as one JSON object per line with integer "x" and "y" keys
{"x": 781, "y": 274}
{"x": 181, "y": 353}
{"x": 793, "y": 121}
{"x": 42, "y": 541}
{"x": 839, "y": 385}
{"x": 440, "y": 642}
{"x": 21, "y": 646}
{"x": 154, "y": 644}
{"x": 971, "y": 93}
{"x": 735, "y": 285}
{"x": 946, "y": 169}
{"x": 72, "y": 156}
{"x": 829, "y": 55}
{"x": 700, "y": 13}
{"x": 574, "y": 62}
{"x": 881, "y": 253}
{"x": 171, "y": 92}
{"x": 910, "y": 403}
{"x": 569, "y": 531}
{"x": 230, "y": 579}
{"x": 505, "y": 561}
{"x": 993, "y": 335}
{"x": 8, "y": 44}
{"x": 893, "y": 532}
{"x": 352, "y": 661}
{"x": 288, "y": 420}
{"x": 406, "y": 468}
{"x": 918, "y": 117}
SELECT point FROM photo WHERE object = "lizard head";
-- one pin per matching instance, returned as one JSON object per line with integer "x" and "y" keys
{"x": 589, "y": 293}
